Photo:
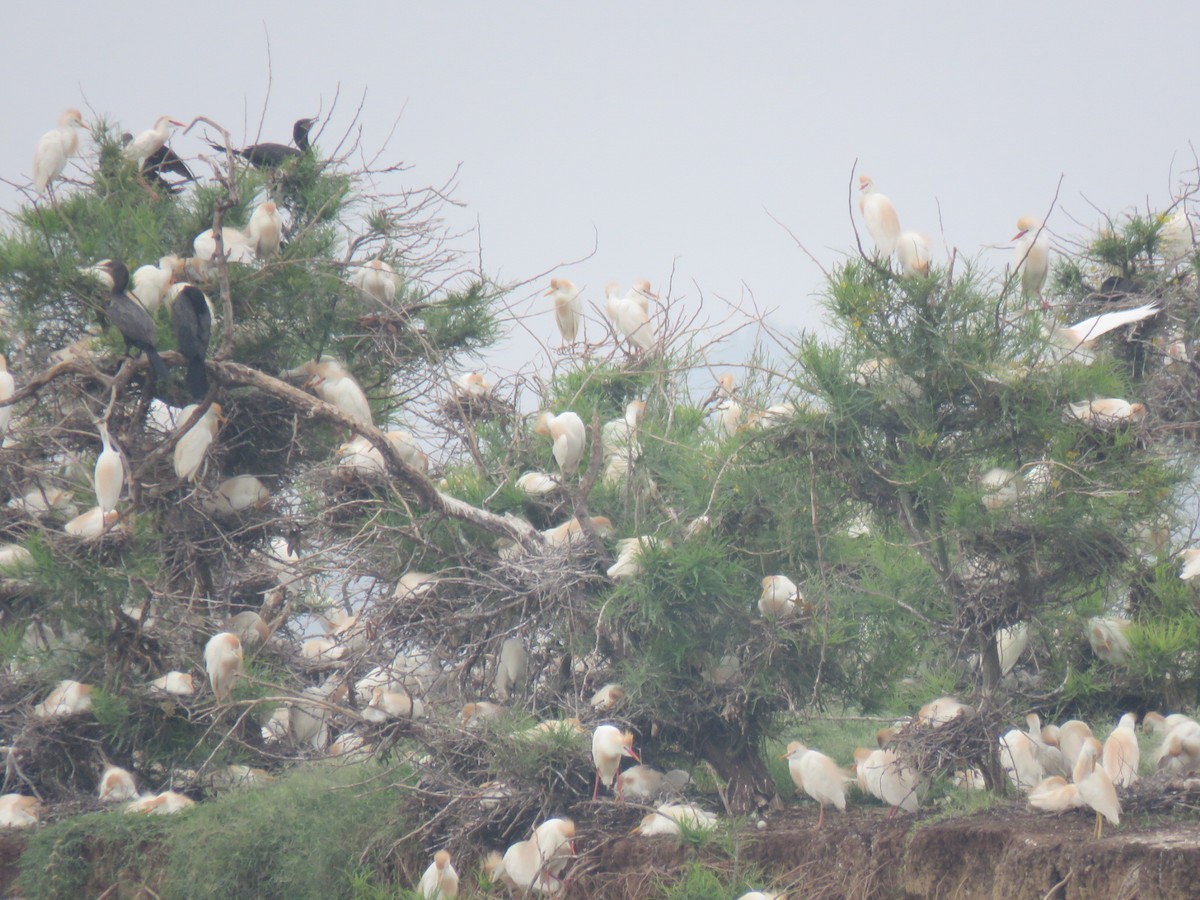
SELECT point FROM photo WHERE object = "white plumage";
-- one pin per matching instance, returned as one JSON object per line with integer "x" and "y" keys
{"x": 191, "y": 448}
{"x": 55, "y": 148}
{"x": 880, "y": 217}
{"x": 109, "y": 475}
{"x": 630, "y": 317}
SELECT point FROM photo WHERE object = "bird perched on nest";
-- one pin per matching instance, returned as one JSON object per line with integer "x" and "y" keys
{"x": 130, "y": 318}
{"x": 377, "y": 280}
{"x": 568, "y": 434}
{"x": 609, "y": 746}
{"x": 335, "y": 385}
{"x": 191, "y": 448}
{"x": 117, "y": 786}
{"x": 223, "y": 662}
{"x": 19, "y": 811}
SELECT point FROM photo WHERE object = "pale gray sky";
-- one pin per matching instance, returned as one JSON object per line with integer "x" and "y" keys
{"x": 664, "y": 131}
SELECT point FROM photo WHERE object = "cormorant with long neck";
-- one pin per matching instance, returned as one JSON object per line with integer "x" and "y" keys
{"x": 270, "y": 155}
{"x": 131, "y": 319}
{"x": 192, "y": 320}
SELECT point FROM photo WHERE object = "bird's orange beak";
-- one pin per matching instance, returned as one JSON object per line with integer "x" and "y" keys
{"x": 633, "y": 753}
{"x": 1020, "y": 234}
{"x": 176, "y": 124}
{"x": 549, "y": 292}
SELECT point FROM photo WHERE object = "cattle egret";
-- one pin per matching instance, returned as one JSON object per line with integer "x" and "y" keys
{"x": 668, "y": 817}
{"x": 761, "y": 895}
{"x": 555, "y": 840}
{"x": 116, "y": 786}
{"x": 1010, "y": 644}
{"x": 387, "y": 704}
{"x": 512, "y": 667}
{"x": 150, "y": 140}
{"x": 8, "y": 387}
{"x": 1095, "y": 787}
{"x": 1054, "y": 794}
{"x": 191, "y": 319}
{"x": 568, "y": 308}
{"x": 1121, "y": 753}
{"x": 235, "y": 248}
{"x": 642, "y": 783}
{"x": 1179, "y": 753}
{"x": 270, "y": 155}
{"x": 941, "y": 711}
{"x": 568, "y": 434}
{"x": 179, "y": 684}
{"x": 109, "y": 476}
{"x": 538, "y": 484}
{"x": 1078, "y": 339}
{"x": 413, "y": 585}
{"x": 1175, "y": 237}
{"x": 249, "y": 628}
{"x": 629, "y": 556}
{"x": 223, "y": 662}
{"x": 191, "y": 448}
{"x": 1106, "y": 413}
{"x": 150, "y": 283}
{"x": 521, "y": 869}
{"x": 19, "y": 811}
{"x": 1071, "y": 737}
{"x": 1032, "y": 255}
{"x": 778, "y": 597}
{"x": 335, "y": 385}
{"x": 69, "y": 698}
{"x": 913, "y": 251}
{"x": 883, "y": 373}
{"x": 131, "y": 320}
{"x": 481, "y": 710}
{"x": 321, "y": 649}
{"x": 360, "y": 457}
{"x": 265, "y": 230}
{"x": 471, "y": 385}
{"x": 377, "y": 280}
{"x": 1019, "y": 757}
{"x": 237, "y": 494}
{"x": 91, "y": 524}
{"x": 14, "y": 557}
{"x": 55, "y": 148}
{"x": 1108, "y": 640}
{"x": 880, "y": 217}
{"x": 607, "y": 697}
{"x": 609, "y": 746}
{"x": 1049, "y": 756}
{"x": 1157, "y": 723}
{"x": 630, "y": 318}
{"x": 1002, "y": 487}
{"x": 818, "y": 776}
{"x": 881, "y": 774}
{"x": 440, "y": 880}
{"x": 164, "y": 804}
{"x": 1191, "y": 563}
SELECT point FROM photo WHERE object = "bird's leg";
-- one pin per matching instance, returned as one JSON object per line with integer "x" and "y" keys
{"x": 596, "y": 789}
{"x": 620, "y": 792}
{"x": 820, "y": 818}
{"x": 1099, "y": 825}
{"x": 892, "y": 812}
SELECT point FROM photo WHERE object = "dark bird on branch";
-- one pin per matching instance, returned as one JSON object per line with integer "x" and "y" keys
{"x": 270, "y": 155}
{"x": 191, "y": 316}
{"x": 131, "y": 319}
{"x": 162, "y": 161}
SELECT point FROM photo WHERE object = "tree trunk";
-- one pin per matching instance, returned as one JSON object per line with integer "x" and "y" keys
{"x": 749, "y": 786}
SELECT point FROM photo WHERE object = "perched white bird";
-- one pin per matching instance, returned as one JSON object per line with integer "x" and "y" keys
{"x": 630, "y": 317}
{"x": 1121, "y": 754}
{"x": 116, "y": 786}
{"x": 1191, "y": 563}
{"x": 555, "y": 840}
{"x": 69, "y": 698}
{"x": 941, "y": 711}
{"x": 265, "y": 230}
{"x": 607, "y": 697}
{"x": 1002, "y": 487}
{"x": 644, "y": 783}
{"x": 223, "y": 662}
{"x": 178, "y": 684}
{"x": 440, "y": 880}
{"x": 151, "y": 140}
{"x": 237, "y": 494}
{"x": 512, "y": 668}
{"x": 150, "y": 283}
{"x": 778, "y": 597}
{"x": 335, "y": 385}
{"x": 1106, "y": 413}
{"x": 191, "y": 448}
{"x": 568, "y": 307}
{"x": 1157, "y": 723}
{"x": 165, "y": 804}
{"x": 883, "y": 373}
{"x": 818, "y": 776}
{"x": 55, "y": 148}
{"x": 1175, "y": 237}
{"x": 387, "y": 704}
{"x": 1019, "y": 757}
{"x": 480, "y": 711}
{"x": 1079, "y": 338}
{"x": 629, "y": 556}
{"x": 320, "y": 650}
{"x": 360, "y": 457}
{"x": 1179, "y": 753}
{"x": 538, "y": 484}
{"x": 568, "y": 434}
{"x": 881, "y": 774}
{"x": 668, "y": 817}
{"x": 377, "y": 280}
{"x": 14, "y": 557}
{"x": 8, "y": 387}
{"x": 1106, "y": 635}
{"x": 1095, "y": 786}
{"x": 880, "y": 217}
{"x": 1054, "y": 794}
{"x": 469, "y": 385}
{"x": 236, "y": 248}
{"x": 1032, "y": 255}
{"x": 913, "y": 251}
{"x": 91, "y": 524}
{"x": 609, "y": 746}
{"x": 19, "y": 811}
{"x": 1049, "y": 756}
{"x": 109, "y": 475}
{"x": 1071, "y": 737}
{"x": 414, "y": 585}
{"x": 249, "y": 628}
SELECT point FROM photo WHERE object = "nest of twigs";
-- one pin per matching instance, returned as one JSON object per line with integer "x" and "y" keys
{"x": 967, "y": 741}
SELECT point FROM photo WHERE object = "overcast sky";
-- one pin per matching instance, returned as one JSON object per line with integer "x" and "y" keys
{"x": 665, "y": 133}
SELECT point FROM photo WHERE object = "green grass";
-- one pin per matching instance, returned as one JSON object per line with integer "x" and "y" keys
{"x": 300, "y": 837}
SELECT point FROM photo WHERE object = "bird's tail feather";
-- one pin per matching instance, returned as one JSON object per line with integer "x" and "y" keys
{"x": 196, "y": 378}
{"x": 161, "y": 372}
